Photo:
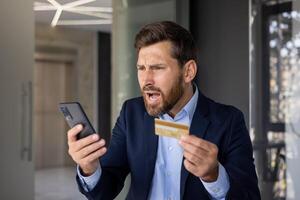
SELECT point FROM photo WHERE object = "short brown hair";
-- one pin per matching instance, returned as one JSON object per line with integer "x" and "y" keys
{"x": 184, "y": 47}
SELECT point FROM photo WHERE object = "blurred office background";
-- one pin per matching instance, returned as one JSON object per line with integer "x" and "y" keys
{"x": 82, "y": 50}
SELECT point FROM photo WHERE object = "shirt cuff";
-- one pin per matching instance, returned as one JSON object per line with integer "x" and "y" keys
{"x": 89, "y": 182}
{"x": 220, "y": 187}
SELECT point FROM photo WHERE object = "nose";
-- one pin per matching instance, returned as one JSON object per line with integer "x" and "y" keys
{"x": 148, "y": 77}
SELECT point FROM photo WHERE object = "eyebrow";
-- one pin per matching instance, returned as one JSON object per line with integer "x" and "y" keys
{"x": 154, "y": 65}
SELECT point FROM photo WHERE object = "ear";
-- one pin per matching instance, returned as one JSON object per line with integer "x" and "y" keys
{"x": 189, "y": 71}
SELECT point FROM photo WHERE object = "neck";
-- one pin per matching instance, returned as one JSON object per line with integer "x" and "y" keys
{"x": 187, "y": 95}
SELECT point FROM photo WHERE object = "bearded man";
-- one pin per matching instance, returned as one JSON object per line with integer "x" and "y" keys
{"x": 214, "y": 161}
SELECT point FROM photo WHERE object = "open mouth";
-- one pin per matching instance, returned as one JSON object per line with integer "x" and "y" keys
{"x": 153, "y": 97}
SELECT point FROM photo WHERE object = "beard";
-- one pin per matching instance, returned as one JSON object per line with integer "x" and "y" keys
{"x": 167, "y": 101}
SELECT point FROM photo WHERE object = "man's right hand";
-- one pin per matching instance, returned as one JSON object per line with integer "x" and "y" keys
{"x": 86, "y": 151}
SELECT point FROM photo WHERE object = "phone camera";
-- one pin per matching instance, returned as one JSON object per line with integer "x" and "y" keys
{"x": 66, "y": 113}
{"x": 68, "y": 118}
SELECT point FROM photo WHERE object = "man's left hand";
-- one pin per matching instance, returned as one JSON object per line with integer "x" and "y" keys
{"x": 200, "y": 157}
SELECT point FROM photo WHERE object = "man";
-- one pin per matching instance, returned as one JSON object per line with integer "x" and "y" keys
{"x": 214, "y": 162}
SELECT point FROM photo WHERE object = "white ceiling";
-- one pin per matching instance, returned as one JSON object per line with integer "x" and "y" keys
{"x": 46, "y": 16}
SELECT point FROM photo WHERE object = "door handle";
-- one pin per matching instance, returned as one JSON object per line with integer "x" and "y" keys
{"x": 26, "y": 121}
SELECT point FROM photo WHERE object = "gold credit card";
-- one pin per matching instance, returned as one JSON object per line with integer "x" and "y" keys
{"x": 170, "y": 129}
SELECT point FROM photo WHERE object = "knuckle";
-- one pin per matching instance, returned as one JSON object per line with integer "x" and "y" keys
{"x": 199, "y": 143}
{"x": 186, "y": 164}
{"x": 74, "y": 158}
{"x": 104, "y": 149}
{"x": 101, "y": 152}
{"x": 193, "y": 158}
{"x": 186, "y": 155}
{"x": 71, "y": 144}
{"x": 98, "y": 145}
{"x": 70, "y": 131}
{"x": 215, "y": 150}
{"x": 70, "y": 152}
{"x": 85, "y": 151}
{"x": 214, "y": 146}
{"x": 195, "y": 151}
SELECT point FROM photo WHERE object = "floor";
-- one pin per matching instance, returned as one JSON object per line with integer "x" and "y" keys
{"x": 56, "y": 184}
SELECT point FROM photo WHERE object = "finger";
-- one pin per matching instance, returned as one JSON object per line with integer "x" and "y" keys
{"x": 73, "y": 132}
{"x": 193, "y": 149}
{"x": 198, "y": 142}
{"x": 95, "y": 155}
{"x": 191, "y": 141}
{"x": 87, "y": 140}
{"x": 91, "y": 148}
{"x": 190, "y": 167}
{"x": 193, "y": 158}
{"x": 84, "y": 142}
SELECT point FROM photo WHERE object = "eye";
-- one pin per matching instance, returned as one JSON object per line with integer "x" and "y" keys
{"x": 158, "y": 67}
{"x": 140, "y": 68}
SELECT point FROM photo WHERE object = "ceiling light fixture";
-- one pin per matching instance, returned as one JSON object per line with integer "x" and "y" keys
{"x": 93, "y": 9}
{"x": 93, "y": 14}
{"x": 76, "y": 3}
{"x": 103, "y": 13}
{"x": 84, "y": 22}
{"x": 56, "y": 16}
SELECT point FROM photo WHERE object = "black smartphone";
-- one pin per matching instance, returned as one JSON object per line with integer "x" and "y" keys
{"x": 74, "y": 114}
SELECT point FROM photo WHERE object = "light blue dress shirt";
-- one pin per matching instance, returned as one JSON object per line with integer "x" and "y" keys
{"x": 166, "y": 178}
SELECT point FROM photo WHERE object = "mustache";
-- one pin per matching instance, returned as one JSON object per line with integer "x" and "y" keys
{"x": 151, "y": 88}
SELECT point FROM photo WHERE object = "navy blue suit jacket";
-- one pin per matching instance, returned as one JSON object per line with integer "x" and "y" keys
{"x": 133, "y": 150}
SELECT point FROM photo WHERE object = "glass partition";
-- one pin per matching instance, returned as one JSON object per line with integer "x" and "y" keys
{"x": 128, "y": 17}
{"x": 275, "y": 96}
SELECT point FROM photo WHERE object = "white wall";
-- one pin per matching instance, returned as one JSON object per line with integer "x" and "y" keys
{"x": 16, "y": 63}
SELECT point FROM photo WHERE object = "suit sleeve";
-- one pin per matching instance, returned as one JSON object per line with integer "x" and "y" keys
{"x": 239, "y": 162}
{"x": 114, "y": 164}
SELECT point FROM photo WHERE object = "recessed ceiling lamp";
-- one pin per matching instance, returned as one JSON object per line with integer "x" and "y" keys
{"x": 104, "y": 14}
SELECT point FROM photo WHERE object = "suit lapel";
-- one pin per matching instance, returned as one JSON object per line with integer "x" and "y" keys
{"x": 151, "y": 142}
{"x": 198, "y": 127}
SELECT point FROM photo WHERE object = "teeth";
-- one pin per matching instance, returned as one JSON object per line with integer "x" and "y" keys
{"x": 153, "y": 97}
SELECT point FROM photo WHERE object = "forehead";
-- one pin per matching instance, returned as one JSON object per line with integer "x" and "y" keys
{"x": 158, "y": 51}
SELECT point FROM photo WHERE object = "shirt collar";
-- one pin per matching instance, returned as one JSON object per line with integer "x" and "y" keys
{"x": 188, "y": 109}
